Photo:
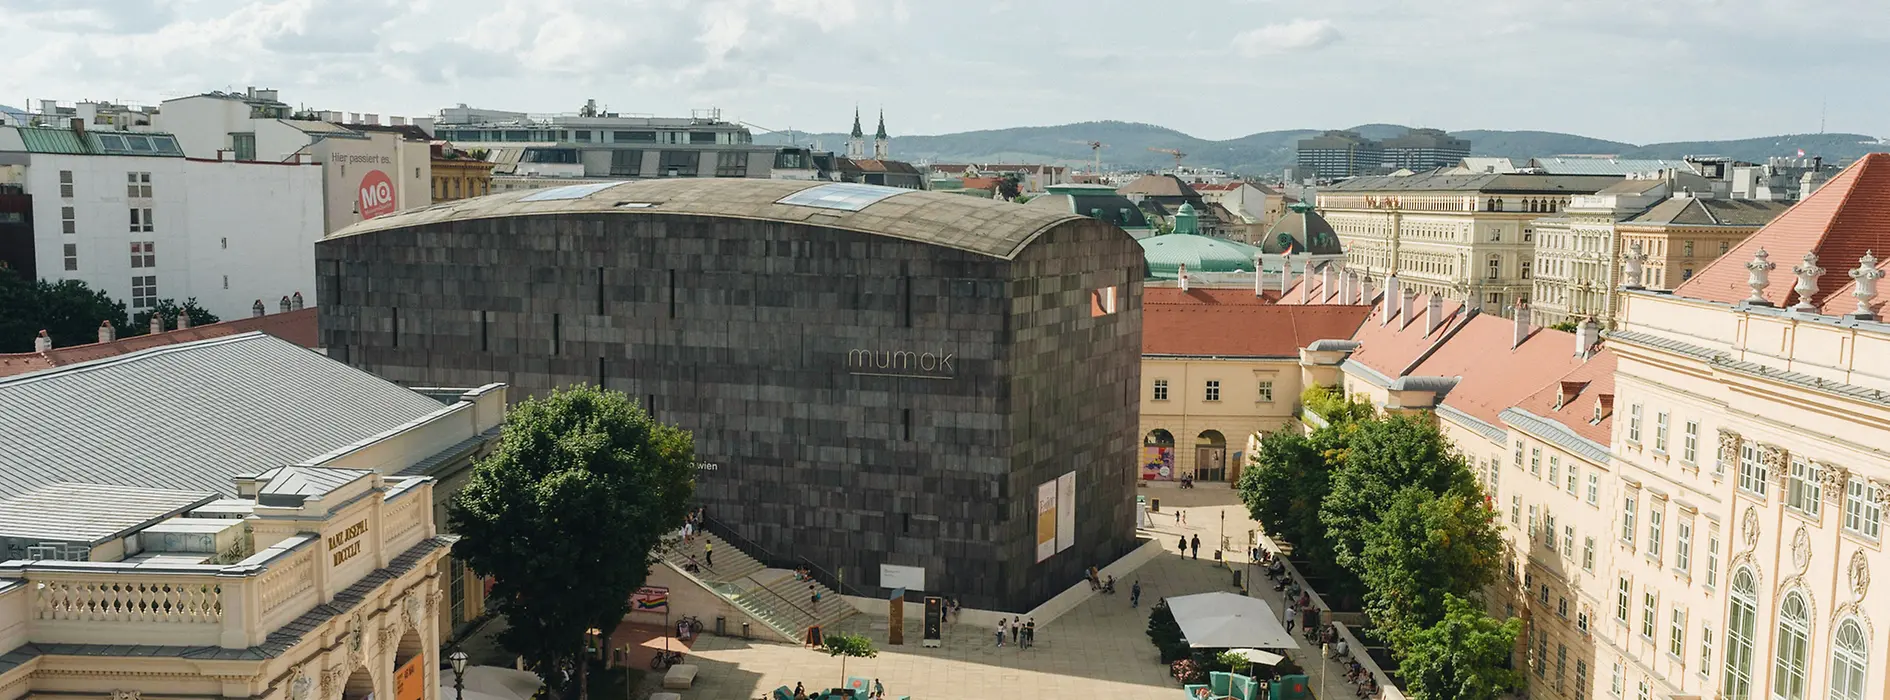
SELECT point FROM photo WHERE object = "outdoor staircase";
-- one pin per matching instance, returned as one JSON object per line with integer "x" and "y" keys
{"x": 772, "y": 596}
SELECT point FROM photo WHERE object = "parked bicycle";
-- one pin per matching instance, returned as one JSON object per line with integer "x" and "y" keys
{"x": 695, "y": 625}
{"x": 665, "y": 659}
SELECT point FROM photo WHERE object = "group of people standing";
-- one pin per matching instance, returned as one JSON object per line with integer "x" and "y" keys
{"x": 1023, "y": 632}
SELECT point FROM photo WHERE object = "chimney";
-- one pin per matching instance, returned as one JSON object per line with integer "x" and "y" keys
{"x": 374, "y": 119}
{"x": 1325, "y": 283}
{"x": 42, "y": 342}
{"x": 283, "y": 305}
{"x": 1433, "y": 313}
{"x": 1390, "y": 306}
{"x": 295, "y": 302}
{"x": 1759, "y": 276}
{"x": 354, "y": 117}
{"x": 1587, "y": 335}
{"x": 1408, "y": 299}
{"x": 106, "y": 333}
{"x": 397, "y": 121}
{"x": 224, "y": 154}
{"x": 78, "y": 126}
{"x": 157, "y": 322}
{"x": 1181, "y": 276}
{"x": 1259, "y": 285}
{"x": 1364, "y": 288}
{"x": 256, "y": 309}
{"x": 1305, "y": 280}
{"x": 183, "y": 319}
{"x": 1522, "y": 325}
{"x": 1345, "y": 288}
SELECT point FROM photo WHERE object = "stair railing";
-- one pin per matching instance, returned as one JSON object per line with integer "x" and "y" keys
{"x": 769, "y": 558}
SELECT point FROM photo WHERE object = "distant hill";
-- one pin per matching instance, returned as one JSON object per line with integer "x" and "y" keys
{"x": 1127, "y": 146}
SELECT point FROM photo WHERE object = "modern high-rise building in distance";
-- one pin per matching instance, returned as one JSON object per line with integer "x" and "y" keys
{"x": 1337, "y": 154}
{"x": 1424, "y": 149}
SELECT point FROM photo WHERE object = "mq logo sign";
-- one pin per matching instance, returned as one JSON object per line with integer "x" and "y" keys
{"x": 377, "y": 195}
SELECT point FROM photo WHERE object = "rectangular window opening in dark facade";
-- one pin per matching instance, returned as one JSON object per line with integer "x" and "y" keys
{"x": 485, "y": 331}
{"x": 672, "y": 293}
{"x": 396, "y": 326}
{"x": 906, "y": 522}
{"x": 649, "y": 405}
{"x": 557, "y": 333}
{"x": 600, "y": 372}
{"x": 906, "y": 417}
{"x": 600, "y": 291}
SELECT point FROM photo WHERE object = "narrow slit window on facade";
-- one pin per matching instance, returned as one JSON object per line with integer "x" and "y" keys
{"x": 905, "y": 298}
{"x": 600, "y": 372}
{"x": 906, "y": 420}
{"x": 395, "y": 326}
{"x": 485, "y": 331}
{"x": 557, "y": 333}
{"x": 600, "y": 291}
{"x": 672, "y": 293}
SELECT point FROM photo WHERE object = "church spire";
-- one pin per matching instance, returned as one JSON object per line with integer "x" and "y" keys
{"x": 881, "y": 134}
{"x": 857, "y": 132}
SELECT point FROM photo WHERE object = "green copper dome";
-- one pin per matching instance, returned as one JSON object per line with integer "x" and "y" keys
{"x": 1166, "y": 254}
{"x": 1302, "y": 230}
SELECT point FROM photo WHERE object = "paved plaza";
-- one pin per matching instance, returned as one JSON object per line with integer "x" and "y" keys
{"x": 1098, "y": 650}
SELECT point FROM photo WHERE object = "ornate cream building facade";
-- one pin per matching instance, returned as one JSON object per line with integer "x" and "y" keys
{"x": 247, "y": 519}
{"x": 1465, "y": 237}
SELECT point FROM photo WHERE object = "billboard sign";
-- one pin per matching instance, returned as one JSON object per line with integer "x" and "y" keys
{"x": 1046, "y": 520}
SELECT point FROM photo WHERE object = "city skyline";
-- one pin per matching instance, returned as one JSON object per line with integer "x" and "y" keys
{"x": 1618, "y": 71}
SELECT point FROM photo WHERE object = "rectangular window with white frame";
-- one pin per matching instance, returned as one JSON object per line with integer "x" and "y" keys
{"x": 141, "y": 220}
{"x": 1862, "y": 513}
{"x": 1161, "y": 390}
{"x": 71, "y": 255}
{"x": 1548, "y": 529}
{"x": 1634, "y": 424}
{"x": 1568, "y": 541}
{"x": 1588, "y": 554}
{"x": 1805, "y": 490}
{"x": 68, "y": 220}
{"x": 1683, "y": 546}
{"x": 1555, "y": 470}
{"x": 1660, "y": 432}
{"x": 1515, "y": 510}
{"x": 1650, "y": 612}
{"x": 143, "y": 254}
{"x": 1623, "y": 595}
{"x": 1706, "y": 648}
{"x": 1213, "y": 390}
{"x": 1753, "y": 474}
{"x": 138, "y": 185}
{"x": 1594, "y": 489}
{"x": 1628, "y": 506}
{"x": 1266, "y": 391}
{"x": 1574, "y": 476}
{"x": 1690, "y": 447}
{"x": 1535, "y": 461}
{"x": 143, "y": 291}
{"x": 1711, "y": 577}
{"x": 65, "y": 185}
{"x": 1519, "y": 451}
{"x": 1677, "y": 634}
{"x": 1656, "y": 529}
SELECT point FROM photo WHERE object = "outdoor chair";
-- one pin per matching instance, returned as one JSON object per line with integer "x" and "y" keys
{"x": 784, "y": 693}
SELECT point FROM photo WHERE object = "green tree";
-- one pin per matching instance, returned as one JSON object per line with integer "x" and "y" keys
{"x": 1568, "y": 326}
{"x": 1382, "y": 457}
{"x": 847, "y": 646}
{"x": 1009, "y": 187}
{"x": 1285, "y": 485}
{"x": 565, "y": 515}
{"x": 170, "y": 310}
{"x": 69, "y": 311}
{"x": 1423, "y": 549}
{"x": 1465, "y": 656}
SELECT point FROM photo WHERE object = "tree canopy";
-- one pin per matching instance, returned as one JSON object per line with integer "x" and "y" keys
{"x": 1424, "y": 548}
{"x": 847, "y": 645}
{"x": 565, "y": 513}
{"x": 68, "y": 310}
{"x": 1382, "y": 457}
{"x": 1465, "y": 656}
{"x": 169, "y": 310}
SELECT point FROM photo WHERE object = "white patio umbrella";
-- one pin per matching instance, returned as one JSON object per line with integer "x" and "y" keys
{"x": 503, "y": 682}
{"x": 1224, "y": 620}
{"x": 1257, "y": 657}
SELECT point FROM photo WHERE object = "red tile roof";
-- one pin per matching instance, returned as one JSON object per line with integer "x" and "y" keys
{"x": 1242, "y": 330}
{"x": 1391, "y": 348}
{"x": 297, "y": 327}
{"x": 1494, "y": 376}
{"x": 1847, "y": 216}
{"x": 1591, "y": 381}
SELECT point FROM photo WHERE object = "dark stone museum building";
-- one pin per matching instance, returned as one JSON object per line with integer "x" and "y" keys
{"x": 936, "y": 384}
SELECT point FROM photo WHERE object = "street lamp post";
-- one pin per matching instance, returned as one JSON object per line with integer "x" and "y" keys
{"x": 458, "y": 658}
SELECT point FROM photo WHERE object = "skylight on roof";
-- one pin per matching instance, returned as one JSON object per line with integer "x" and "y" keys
{"x": 570, "y": 191}
{"x": 844, "y": 196}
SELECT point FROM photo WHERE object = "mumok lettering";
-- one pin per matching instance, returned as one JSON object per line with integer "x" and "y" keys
{"x": 902, "y": 363}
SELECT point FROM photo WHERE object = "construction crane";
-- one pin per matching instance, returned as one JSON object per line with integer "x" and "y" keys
{"x": 1177, "y": 154}
{"x": 1095, "y": 151}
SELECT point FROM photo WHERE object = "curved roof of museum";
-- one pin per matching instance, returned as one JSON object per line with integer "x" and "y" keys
{"x": 982, "y": 226}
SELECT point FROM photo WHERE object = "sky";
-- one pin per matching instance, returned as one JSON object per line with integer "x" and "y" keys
{"x": 1630, "y": 70}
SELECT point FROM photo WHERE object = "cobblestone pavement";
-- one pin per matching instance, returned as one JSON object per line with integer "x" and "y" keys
{"x": 1098, "y": 650}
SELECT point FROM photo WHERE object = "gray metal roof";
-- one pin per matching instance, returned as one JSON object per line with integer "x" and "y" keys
{"x": 1553, "y": 431}
{"x": 191, "y": 416}
{"x": 90, "y": 512}
{"x": 291, "y": 486}
{"x": 1604, "y": 166}
{"x": 1493, "y": 433}
{"x": 983, "y": 226}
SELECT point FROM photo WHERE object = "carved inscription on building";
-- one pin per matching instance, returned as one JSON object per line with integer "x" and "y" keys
{"x": 344, "y": 545}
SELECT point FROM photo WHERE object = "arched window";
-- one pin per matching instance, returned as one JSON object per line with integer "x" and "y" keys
{"x": 1850, "y": 654}
{"x": 1794, "y": 633}
{"x": 1741, "y": 618}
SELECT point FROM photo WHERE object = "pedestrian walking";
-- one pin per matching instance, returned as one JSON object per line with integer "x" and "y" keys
{"x": 1183, "y": 546}
{"x": 1000, "y": 633}
{"x": 1292, "y": 616}
{"x": 1017, "y": 631}
{"x": 708, "y": 554}
{"x": 1135, "y": 594}
{"x": 1197, "y": 546}
{"x": 1177, "y": 517}
{"x": 1030, "y": 633}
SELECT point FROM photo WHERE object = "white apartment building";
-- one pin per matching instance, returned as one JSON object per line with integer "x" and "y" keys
{"x": 127, "y": 213}
{"x": 1465, "y": 237}
{"x": 367, "y": 169}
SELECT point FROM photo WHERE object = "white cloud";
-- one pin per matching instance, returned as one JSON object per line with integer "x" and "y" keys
{"x": 1297, "y": 35}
